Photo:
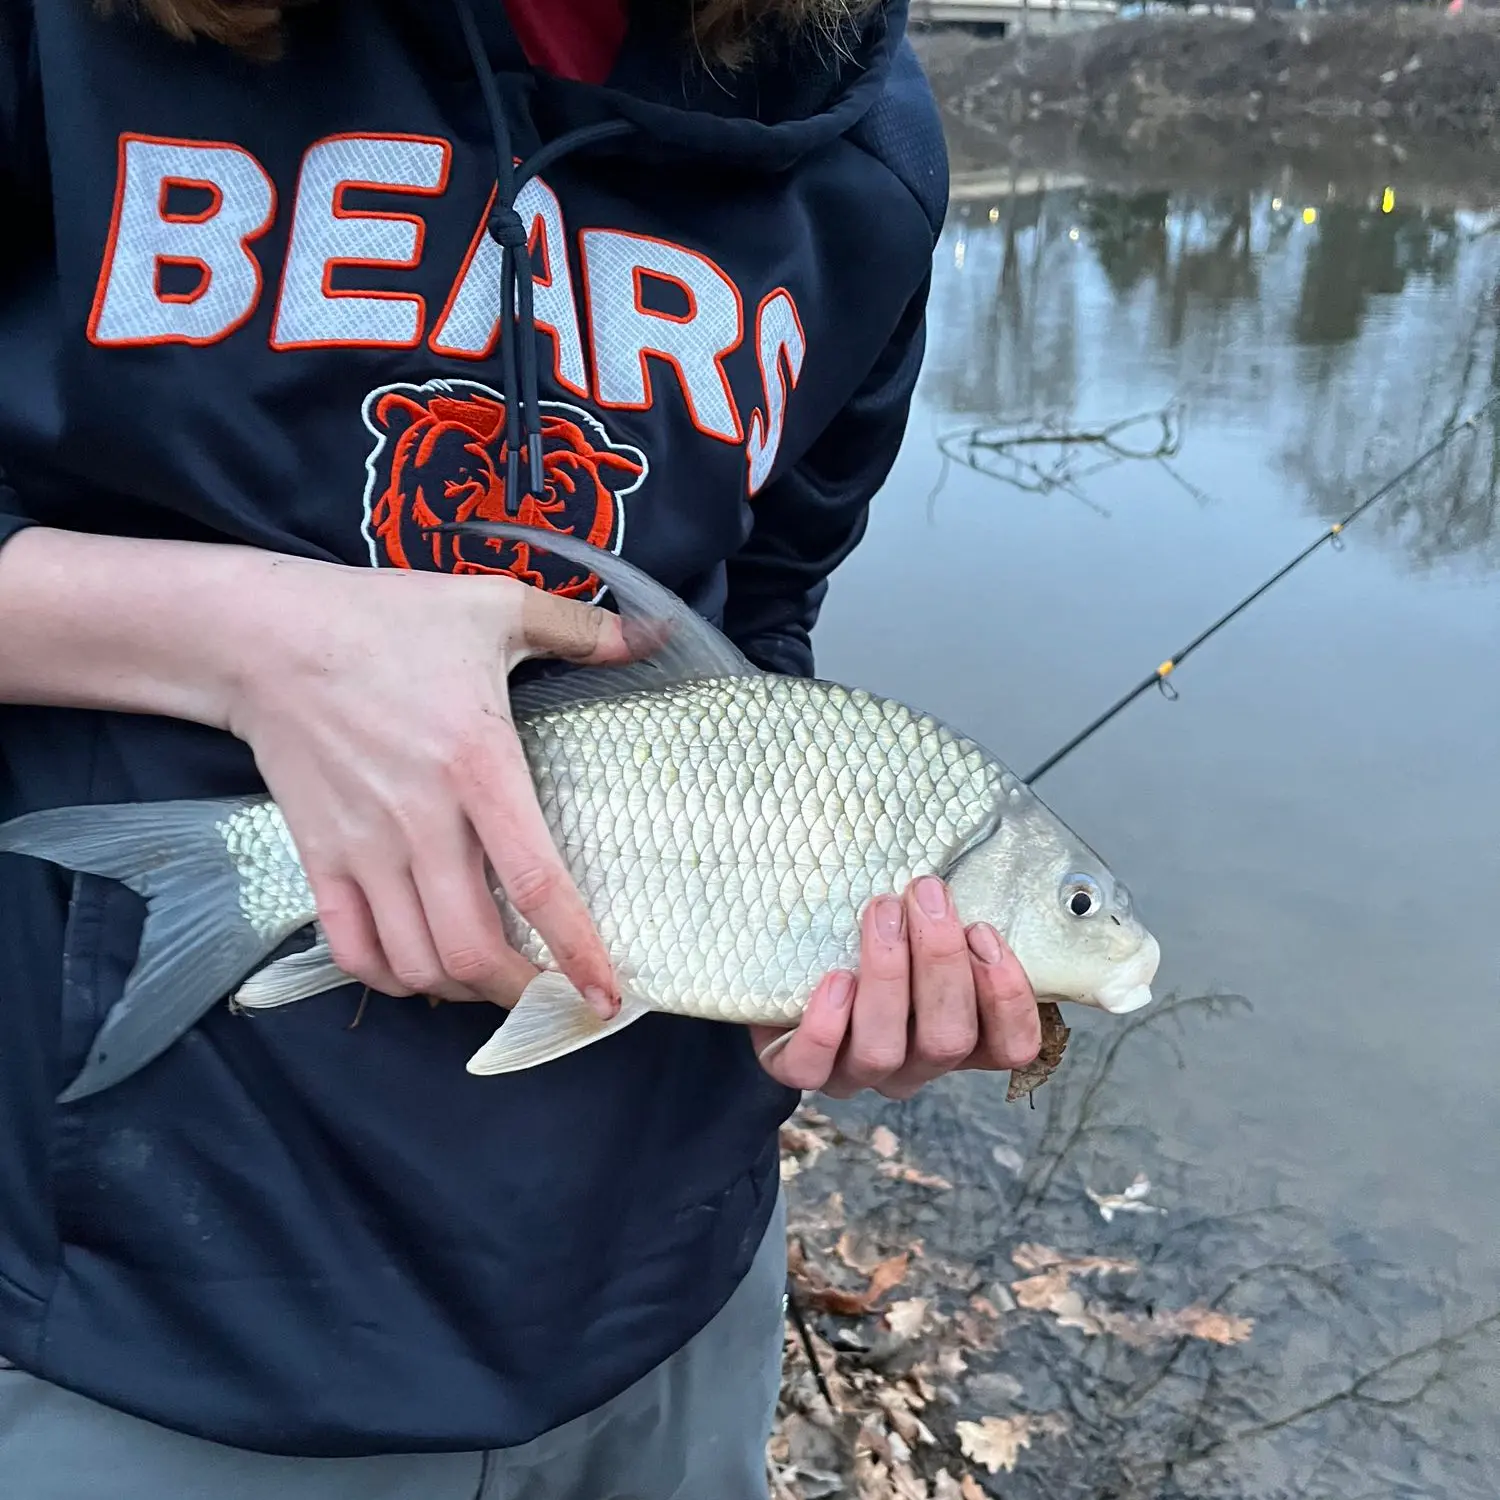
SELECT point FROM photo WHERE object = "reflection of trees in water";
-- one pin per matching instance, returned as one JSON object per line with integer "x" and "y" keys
{"x": 1354, "y": 432}
{"x": 1450, "y": 509}
{"x": 1007, "y": 309}
{"x": 1198, "y": 253}
{"x": 1352, "y": 1382}
{"x": 1360, "y": 253}
{"x": 1216, "y": 274}
{"x": 1128, "y": 234}
{"x": 1328, "y": 336}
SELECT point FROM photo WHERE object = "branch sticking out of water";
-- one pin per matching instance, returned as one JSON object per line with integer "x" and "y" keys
{"x": 1042, "y": 457}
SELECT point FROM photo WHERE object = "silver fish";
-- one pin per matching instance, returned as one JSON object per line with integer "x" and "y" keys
{"x": 726, "y": 827}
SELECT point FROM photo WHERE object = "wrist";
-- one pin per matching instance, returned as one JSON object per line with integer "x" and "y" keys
{"x": 173, "y": 628}
{"x": 264, "y": 637}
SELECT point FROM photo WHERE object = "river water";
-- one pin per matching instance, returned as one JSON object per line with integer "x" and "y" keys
{"x": 1313, "y": 826}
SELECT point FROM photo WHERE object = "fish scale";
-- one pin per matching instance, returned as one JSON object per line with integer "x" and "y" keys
{"x": 726, "y": 834}
{"x": 274, "y": 889}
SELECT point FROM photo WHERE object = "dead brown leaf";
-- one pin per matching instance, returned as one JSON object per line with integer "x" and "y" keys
{"x": 996, "y": 1442}
{"x": 873, "y": 1477}
{"x": 805, "y": 1444}
{"x": 905, "y": 1319}
{"x": 859, "y": 1252}
{"x": 906, "y": 1485}
{"x": 818, "y": 1291}
{"x": 1033, "y": 1257}
{"x": 836, "y": 1299}
{"x": 973, "y": 1333}
{"x": 1050, "y": 1292}
{"x": 1042, "y": 1293}
{"x": 887, "y": 1274}
{"x": 872, "y": 1439}
{"x": 1055, "y": 1033}
{"x": 802, "y": 1141}
{"x": 965, "y": 1487}
{"x": 1218, "y": 1328}
{"x": 901, "y": 1172}
{"x": 1053, "y": 1263}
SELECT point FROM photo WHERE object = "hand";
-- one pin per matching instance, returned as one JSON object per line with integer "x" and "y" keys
{"x": 378, "y": 713}
{"x": 930, "y": 998}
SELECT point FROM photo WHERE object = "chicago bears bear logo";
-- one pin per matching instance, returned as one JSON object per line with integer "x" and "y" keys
{"x": 440, "y": 455}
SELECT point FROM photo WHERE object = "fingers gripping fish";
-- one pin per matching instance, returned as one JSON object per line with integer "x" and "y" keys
{"x": 726, "y": 827}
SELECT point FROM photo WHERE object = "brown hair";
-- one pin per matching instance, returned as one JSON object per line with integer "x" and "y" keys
{"x": 721, "y": 29}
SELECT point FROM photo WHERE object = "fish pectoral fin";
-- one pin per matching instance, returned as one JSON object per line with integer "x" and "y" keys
{"x": 550, "y": 1020}
{"x": 298, "y": 976}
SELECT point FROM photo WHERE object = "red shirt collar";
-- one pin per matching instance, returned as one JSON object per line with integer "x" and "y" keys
{"x": 577, "y": 39}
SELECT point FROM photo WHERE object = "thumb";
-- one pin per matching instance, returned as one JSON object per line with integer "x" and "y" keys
{"x": 568, "y": 630}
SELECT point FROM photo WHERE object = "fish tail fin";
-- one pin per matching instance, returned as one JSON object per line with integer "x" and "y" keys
{"x": 196, "y": 941}
{"x": 550, "y": 1020}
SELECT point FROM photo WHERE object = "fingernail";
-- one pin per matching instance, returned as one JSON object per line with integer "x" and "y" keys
{"x": 841, "y": 990}
{"x": 775, "y": 1048}
{"x": 932, "y": 896}
{"x": 599, "y": 1002}
{"x": 890, "y": 918}
{"x": 984, "y": 943}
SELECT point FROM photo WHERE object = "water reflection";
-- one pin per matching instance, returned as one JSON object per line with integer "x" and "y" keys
{"x": 1306, "y": 826}
{"x": 1358, "y": 254}
{"x": 1351, "y": 334}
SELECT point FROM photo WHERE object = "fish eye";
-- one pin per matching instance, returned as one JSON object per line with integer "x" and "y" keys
{"x": 1081, "y": 895}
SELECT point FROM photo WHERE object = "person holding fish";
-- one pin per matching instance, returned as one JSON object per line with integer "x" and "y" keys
{"x": 428, "y": 430}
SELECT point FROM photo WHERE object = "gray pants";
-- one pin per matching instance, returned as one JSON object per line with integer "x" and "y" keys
{"x": 694, "y": 1428}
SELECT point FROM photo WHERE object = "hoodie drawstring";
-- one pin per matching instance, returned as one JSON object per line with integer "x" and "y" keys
{"x": 518, "y": 362}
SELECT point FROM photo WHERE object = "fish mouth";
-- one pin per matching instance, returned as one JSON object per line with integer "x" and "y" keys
{"x": 1129, "y": 988}
{"x": 1123, "y": 1004}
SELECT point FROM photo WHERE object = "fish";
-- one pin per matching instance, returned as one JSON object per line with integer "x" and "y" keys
{"x": 726, "y": 826}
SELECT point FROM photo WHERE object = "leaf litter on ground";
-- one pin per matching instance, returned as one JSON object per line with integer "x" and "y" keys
{"x": 906, "y": 1342}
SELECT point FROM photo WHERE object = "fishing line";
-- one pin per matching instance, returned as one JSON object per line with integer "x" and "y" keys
{"x": 1334, "y": 534}
{"x": 794, "y": 1307}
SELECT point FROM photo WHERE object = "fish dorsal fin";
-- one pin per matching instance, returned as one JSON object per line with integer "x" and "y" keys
{"x": 673, "y": 644}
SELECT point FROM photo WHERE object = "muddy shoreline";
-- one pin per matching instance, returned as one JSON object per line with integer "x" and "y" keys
{"x": 1399, "y": 98}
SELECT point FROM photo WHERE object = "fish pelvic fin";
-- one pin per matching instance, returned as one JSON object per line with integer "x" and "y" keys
{"x": 196, "y": 941}
{"x": 550, "y": 1020}
{"x": 298, "y": 976}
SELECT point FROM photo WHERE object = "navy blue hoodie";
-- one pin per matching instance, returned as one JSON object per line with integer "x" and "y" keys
{"x": 260, "y": 303}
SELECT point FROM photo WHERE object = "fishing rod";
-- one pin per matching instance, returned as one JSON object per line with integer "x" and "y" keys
{"x": 1159, "y": 678}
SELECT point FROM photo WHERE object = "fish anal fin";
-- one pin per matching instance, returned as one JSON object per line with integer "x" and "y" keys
{"x": 550, "y": 1020}
{"x": 298, "y": 976}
